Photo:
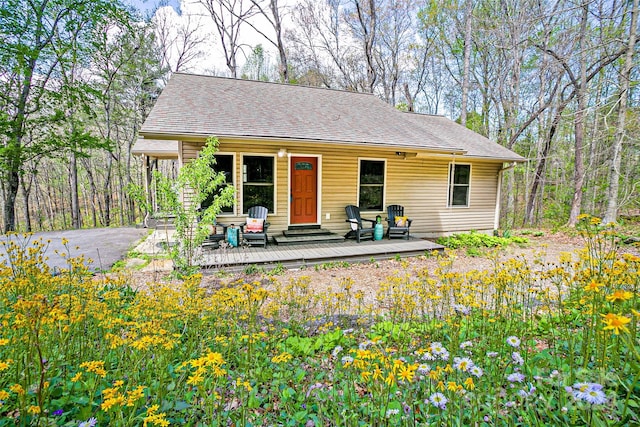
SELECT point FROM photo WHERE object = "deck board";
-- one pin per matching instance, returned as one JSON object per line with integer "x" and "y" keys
{"x": 293, "y": 256}
{"x": 305, "y": 254}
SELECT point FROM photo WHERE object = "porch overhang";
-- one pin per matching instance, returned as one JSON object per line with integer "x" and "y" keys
{"x": 156, "y": 148}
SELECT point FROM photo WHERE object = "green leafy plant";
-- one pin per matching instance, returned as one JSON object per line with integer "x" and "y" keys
{"x": 196, "y": 182}
{"x": 252, "y": 269}
{"x": 473, "y": 239}
{"x": 277, "y": 270}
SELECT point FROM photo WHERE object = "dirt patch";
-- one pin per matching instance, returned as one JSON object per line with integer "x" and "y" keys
{"x": 367, "y": 276}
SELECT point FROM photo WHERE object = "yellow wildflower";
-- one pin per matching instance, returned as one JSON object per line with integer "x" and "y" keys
{"x": 245, "y": 384}
{"x": 4, "y": 395}
{"x": 196, "y": 378}
{"x": 377, "y": 373}
{"x": 218, "y": 372}
{"x": 197, "y": 363}
{"x": 391, "y": 379}
{"x": 451, "y": 385}
{"x": 155, "y": 418}
{"x": 407, "y": 372}
{"x": 615, "y": 322}
{"x": 95, "y": 366}
{"x": 620, "y": 296}
{"x": 34, "y": 409}
{"x": 283, "y": 357}
{"x": 134, "y": 395}
{"x": 76, "y": 377}
{"x": 17, "y": 389}
{"x": 365, "y": 375}
{"x": 397, "y": 364}
{"x": 468, "y": 383}
{"x": 214, "y": 358}
{"x": 593, "y": 286}
{"x": 109, "y": 393}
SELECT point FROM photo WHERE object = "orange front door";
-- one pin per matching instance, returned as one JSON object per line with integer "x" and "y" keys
{"x": 304, "y": 190}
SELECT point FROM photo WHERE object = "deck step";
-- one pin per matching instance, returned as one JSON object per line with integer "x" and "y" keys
{"x": 302, "y": 239}
{"x": 302, "y": 232}
{"x": 305, "y": 227}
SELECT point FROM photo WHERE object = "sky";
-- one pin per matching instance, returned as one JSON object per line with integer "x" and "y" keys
{"x": 214, "y": 58}
{"x": 147, "y": 6}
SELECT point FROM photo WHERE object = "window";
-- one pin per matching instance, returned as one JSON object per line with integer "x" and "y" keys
{"x": 371, "y": 197}
{"x": 224, "y": 164}
{"x": 459, "y": 179}
{"x": 257, "y": 182}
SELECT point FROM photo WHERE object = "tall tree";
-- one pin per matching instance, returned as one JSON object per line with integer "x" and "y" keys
{"x": 229, "y": 16}
{"x": 125, "y": 68}
{"x": 466, "y": 66}
{"x": 580, "y": 84}
{"x": 37, "y": 36}
{"x": 322, "y": 49}
{"x": 181, "y": 39}
{"x": 363, "y": 20}
{"x": 611, "y": 214}
{"x": 396, "y": 36}
{"x": 274, "y": 14}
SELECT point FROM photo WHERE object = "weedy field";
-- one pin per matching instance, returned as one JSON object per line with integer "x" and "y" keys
{"x": 519, "y": 344}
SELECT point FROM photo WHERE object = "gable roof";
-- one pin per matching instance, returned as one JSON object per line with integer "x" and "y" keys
{"x": 200, "y": 106}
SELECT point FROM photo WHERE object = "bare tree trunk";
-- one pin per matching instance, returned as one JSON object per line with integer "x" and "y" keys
{"x": 107, "y": 190}
{"x": 581, "y": 94}
{"x": 25, "y": 196}
{"x": 282, "y": 53}
{"x": 36, "y": 195}
{"x": 73, "y": 181}
{"x": 95, "y": 199}
{"x": 228, "y": 17}
{"x": 466, "y": 61}
{"x": 274, "y": 16}
{"x": 611, "y": 214}
{"x": 538, "y": 176}
{"x": 368, "y": 25}
{"x": 10, "y": 195}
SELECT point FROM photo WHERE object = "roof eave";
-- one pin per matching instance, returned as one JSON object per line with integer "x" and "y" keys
{"x": 396, "y": 147}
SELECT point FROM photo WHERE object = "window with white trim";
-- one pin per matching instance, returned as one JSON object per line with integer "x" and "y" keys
{"x": 459, "y": 184}
{"x": 371, "y": 179}
{"x": 258, "y": 182}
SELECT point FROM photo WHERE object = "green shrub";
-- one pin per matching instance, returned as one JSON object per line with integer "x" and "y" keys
{"x": 473, "y": 239}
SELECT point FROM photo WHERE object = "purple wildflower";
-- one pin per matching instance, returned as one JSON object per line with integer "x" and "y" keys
{"x": 516, "y": 377}
{"x": 438, "y": 400}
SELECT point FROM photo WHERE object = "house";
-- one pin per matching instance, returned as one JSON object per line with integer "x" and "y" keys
{"x": 306, "y": 152}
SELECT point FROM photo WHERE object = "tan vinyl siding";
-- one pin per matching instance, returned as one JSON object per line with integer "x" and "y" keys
{"x": 190, "y": 150}
{"x": 420, "y": 184}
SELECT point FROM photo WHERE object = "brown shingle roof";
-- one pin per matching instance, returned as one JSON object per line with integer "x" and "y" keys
{"x": 194, "y": 105}
{"x": 474, "y": 144}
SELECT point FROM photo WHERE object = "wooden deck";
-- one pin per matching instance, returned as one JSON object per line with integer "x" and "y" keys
{"x": 295, "y": 256}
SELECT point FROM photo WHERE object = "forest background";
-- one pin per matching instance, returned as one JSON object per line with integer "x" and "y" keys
{"x": 555, "y": 81}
